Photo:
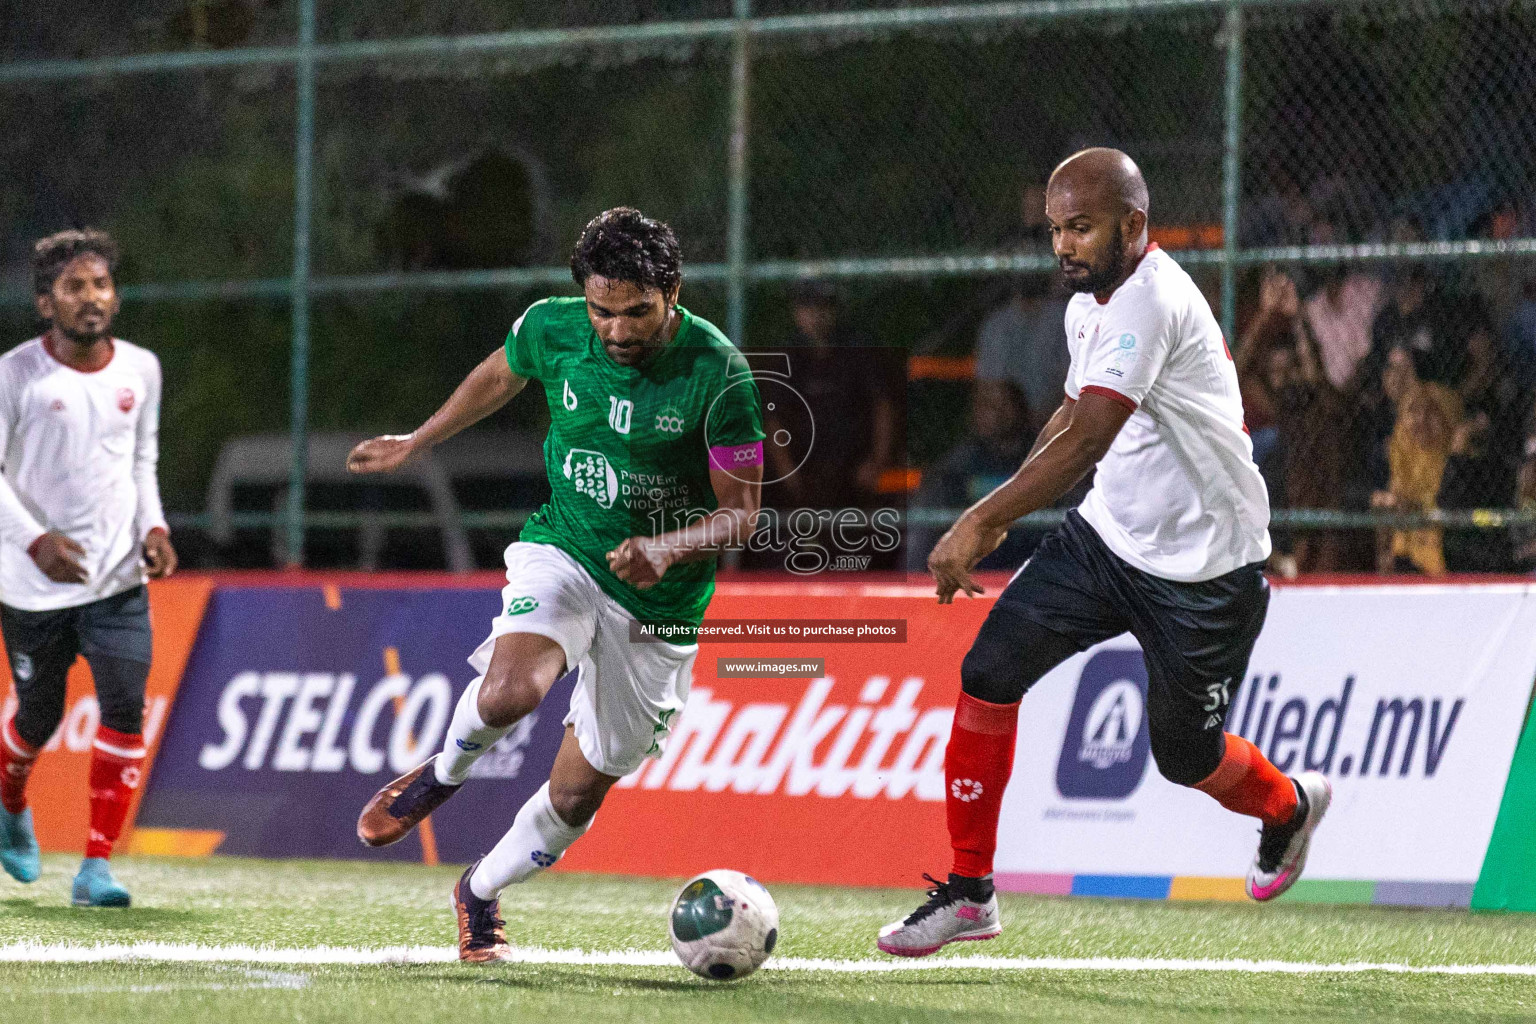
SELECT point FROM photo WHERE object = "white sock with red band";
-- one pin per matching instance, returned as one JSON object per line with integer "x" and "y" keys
{"x": 468, "y": 737}
{"x": 538, "y": 837}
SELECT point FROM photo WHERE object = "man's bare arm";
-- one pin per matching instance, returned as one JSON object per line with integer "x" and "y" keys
{"x": 1053, "y": 426}
{"x": 488, "y": 387}
{"x": 1092, "y": 423}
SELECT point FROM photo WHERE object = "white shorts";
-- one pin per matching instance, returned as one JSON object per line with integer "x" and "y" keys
{"x": 628, "y": 694}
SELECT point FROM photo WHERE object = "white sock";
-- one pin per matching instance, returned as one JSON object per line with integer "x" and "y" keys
{"x": 538, "y": 837}
{"x": 468, "y": 737}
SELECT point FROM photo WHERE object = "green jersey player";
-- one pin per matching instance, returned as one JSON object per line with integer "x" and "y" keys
{"x": 654, "y": 455}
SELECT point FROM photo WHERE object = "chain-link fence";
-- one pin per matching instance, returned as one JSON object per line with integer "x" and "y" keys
{"x": 331, "y": 210}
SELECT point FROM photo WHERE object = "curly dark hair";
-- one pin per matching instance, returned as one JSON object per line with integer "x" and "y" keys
{"x": 623, "y": 244}
{"x": 52, "y": 254}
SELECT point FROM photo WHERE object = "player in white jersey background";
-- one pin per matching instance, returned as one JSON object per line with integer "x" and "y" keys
{"x": 81, "y": 529}
{"x": 1168, "y": 545}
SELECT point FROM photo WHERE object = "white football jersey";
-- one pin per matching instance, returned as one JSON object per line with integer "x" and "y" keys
{"x": 80, "y": 453}
{"x": 1178, "y": 494}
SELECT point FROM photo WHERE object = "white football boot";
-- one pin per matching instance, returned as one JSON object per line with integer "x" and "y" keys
{"x": 959, "y": 910}
{"x": 1283, "y": 848}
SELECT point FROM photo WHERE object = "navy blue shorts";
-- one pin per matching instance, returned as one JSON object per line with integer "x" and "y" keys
{"x": 1196, "y": 638}
{"x": 114, "y": 636}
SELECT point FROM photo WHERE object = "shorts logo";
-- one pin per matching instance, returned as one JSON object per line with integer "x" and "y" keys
{"x": 519, "y": 605}
{"x": 21, "y": 666}
{"x": 125, "y": 399}
{"x": 469, "y": 745}
{"x": 965, "y": 790}
{"x": 131, "y": 776}
{"x": 1220, "y": 696}
{"x": 542, "y": 859}
{"x": 592, "y": 475}
{"x": 1104, "y": 753}
{"x": 663, "y": 726}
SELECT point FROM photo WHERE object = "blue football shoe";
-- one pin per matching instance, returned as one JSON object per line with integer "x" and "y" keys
{"x": 95, "y": 886}
{"x": 19, "y": 854}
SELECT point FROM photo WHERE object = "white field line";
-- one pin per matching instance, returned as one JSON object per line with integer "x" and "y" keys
{"x": 254, "y": 979}
{"x": 36, "y": 952}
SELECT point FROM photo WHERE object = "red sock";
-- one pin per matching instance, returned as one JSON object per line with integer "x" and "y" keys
{"x": 977, "y": 764}
{"x": 115, "y": 772}
{"x": 1247, "y": 783}
{"x": 17, "y": 757}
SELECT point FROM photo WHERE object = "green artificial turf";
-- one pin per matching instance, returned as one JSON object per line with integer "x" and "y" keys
{"x": 225, "y": 901}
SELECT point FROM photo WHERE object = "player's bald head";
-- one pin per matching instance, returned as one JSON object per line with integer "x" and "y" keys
{"x": 1096, "y": 202}
{"x": 1103, "y": 178}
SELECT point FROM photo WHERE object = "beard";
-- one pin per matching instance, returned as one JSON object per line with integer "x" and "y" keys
{"x": 86, "y": 335}
{"x": 1105, "y": 274}
{"x": 83, "y": 336}
{"x": 638, "y": 355}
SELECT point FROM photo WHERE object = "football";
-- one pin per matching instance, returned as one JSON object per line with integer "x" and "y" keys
{"x": 723, "y": 925}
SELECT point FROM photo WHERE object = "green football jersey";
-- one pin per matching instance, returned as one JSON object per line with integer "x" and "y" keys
{"x": 629, "y": 448}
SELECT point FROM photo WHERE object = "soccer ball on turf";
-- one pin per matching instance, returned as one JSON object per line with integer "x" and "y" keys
{"x": 723, "y": 925}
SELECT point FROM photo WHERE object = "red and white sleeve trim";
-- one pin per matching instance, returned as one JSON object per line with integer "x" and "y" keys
{"x": 1109, "y": 393}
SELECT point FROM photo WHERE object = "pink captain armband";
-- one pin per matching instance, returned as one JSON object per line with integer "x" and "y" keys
{"x": 736, "y": 456}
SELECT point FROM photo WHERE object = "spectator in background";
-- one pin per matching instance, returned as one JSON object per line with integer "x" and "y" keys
{"x": 1520, "y": 332}
{"x": 1272, "y": 328}
{"x": 1421, "y": 318}
{"x": 1486, "y": 449}
{"x": 1305, "y": 466}
{"x": 1023, "y": 341}
{"x": 1523, "y": 538}
{"x": 855, "y": 394}
{"x": 1428, "y": 416}
{"x": 1417, "y": 323}
{"x": 1340, "y": 315}
{"x": 998, "y": 441}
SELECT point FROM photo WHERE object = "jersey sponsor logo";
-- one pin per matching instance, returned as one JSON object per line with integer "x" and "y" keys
{"x": 522, "y": 605}
{"x": 591, "y": 474}
{"x": 568, "y": 398}
{"x": 669, "y": 420}
{"x": 1104, "y": 753}
{"x": 1125, "y": 356}
{"x": 125, "y": 399}
{"x": 621, "y": 412}
{"x": 884, "y": 747}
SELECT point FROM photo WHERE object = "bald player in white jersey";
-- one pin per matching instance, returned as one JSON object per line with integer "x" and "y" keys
{"x": 1168, "y": 546}
{"x": 81, "y": 529}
